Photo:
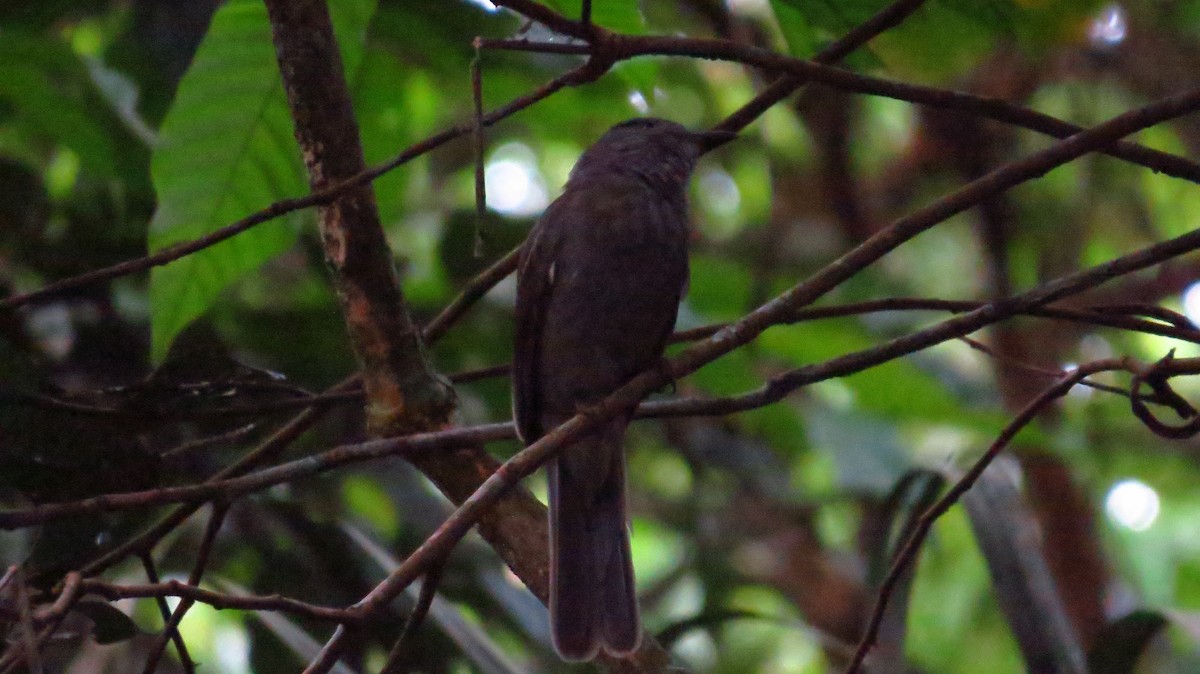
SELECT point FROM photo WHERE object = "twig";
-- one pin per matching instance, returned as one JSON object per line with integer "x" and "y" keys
{"x": 913, "y": 544}
{"x": 632, "y": 45}
{"x": 169, "y": 631}
{"x": 9, "y": 574}
{"x": 547, "y": 17}
{"x": 187, "y": 448}
{"x": 1156, "y": 377}
{"x": 268, "y": 450}
{"x": 476, "y": 289}
{"x": 171, "y": 628}
{"x": 395, "y": 663}
{"x": 478, "y": 139}
{"x": 330, "y": 652}
{"x": 1038, "y": 370}
{"x": 218, "y": 600}
{"x": 317, "y": 198}
{"x": 409, "y": 445}
{"x": 283, "y": 437}
{"x": 25, "y": 612}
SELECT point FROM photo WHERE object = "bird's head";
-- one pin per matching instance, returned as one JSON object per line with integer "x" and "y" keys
{"x": 659, "y": 150}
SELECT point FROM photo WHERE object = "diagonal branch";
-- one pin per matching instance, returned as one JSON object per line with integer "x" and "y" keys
{"x": 912, "y": 545}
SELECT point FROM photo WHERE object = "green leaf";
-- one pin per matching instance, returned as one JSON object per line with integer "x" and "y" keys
{"x": 48, "y": 89}
{"x": 367, "y": 499}
{"x": 623, "y": 16}
{"x": 226, "y": 150}
{"x": 801, "y": 37}
{"x": 874, "y": 389}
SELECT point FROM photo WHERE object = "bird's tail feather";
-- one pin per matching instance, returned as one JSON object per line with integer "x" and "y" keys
{"x": 593, "y": 601}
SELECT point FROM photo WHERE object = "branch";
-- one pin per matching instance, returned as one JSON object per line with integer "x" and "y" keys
{"x": 283, "y": 437}
{"x": 622, "y": 47}
{"x": 412, "y": 447}
{"x": 628, "y": 396}
{"x": 912, "y": 545}
{"x": 192, "y": 593}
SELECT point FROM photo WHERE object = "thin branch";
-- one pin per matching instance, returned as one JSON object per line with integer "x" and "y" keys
{"x": 1043, "y": 371}
{"x": 171, "y": 628}
{"x": 395, "y": 663}
{"x": 169, "y": 631}
{"x": 1157, "y": 376}
{"x": 478, "y": 140}
{"x": 1097, "y": 316}
{"x": 71, "y": 590}
{"x": 470, "y": 294}
{"x": 51, "y": 618}
{"x": 327, "y": 195}
{"x": 267, "y": 451}
{"x": 218, "y": 600}
{"x": 409, "y": 446}
{"x": 9, "y": 574}
{"x": 913, "y": 544}
{"x": 548, "y": 17}
{"x": 288, "y": 433}
{"x": 25, "y": 612}
{"x": 992, "y": 108}
{"x": 186, "y": 448}
{"x": 330, "y": 652}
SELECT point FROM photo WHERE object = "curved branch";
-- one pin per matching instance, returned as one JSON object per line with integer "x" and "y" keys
{"x": 912, "y": 545}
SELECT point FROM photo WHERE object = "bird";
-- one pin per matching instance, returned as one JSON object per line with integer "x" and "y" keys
{"x": 599, "y": 282}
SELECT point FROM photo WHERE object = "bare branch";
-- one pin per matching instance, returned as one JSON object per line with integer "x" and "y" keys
{"x": 912, "y": 545}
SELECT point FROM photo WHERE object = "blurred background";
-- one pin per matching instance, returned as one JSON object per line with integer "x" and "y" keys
{"x": 760, "y": 537}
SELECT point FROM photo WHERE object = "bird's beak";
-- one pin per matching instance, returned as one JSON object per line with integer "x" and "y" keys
{"x": 711, "y": 140}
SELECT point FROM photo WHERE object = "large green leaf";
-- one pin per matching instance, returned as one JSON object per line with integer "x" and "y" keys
{"x": 226, "y": 150}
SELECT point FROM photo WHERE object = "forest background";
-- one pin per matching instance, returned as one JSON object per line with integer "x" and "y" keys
{"x": 253, "y": 421}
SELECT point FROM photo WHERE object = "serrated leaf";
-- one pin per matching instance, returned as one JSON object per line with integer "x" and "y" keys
{"x": 110, "y": 625}
{"x": 226, "y": 150}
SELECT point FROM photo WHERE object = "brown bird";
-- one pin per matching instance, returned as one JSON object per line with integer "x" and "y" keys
{"x": 598, "y": 288}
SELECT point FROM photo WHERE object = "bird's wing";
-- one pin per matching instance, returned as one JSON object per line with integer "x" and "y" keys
{"x": 534, "y": 283}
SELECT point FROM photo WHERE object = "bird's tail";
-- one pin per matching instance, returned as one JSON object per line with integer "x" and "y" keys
{"x": 593, "y": 602}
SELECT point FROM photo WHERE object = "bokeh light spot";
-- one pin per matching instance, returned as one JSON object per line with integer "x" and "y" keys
{"x": 513, "y": 183}
{"x": 1109, "y": 28}
{"x": 1191, "y": 303}
{"x": 1132, "y": 504}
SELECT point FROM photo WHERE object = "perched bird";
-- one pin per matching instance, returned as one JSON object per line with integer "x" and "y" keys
{"x": 598, "y": 288}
